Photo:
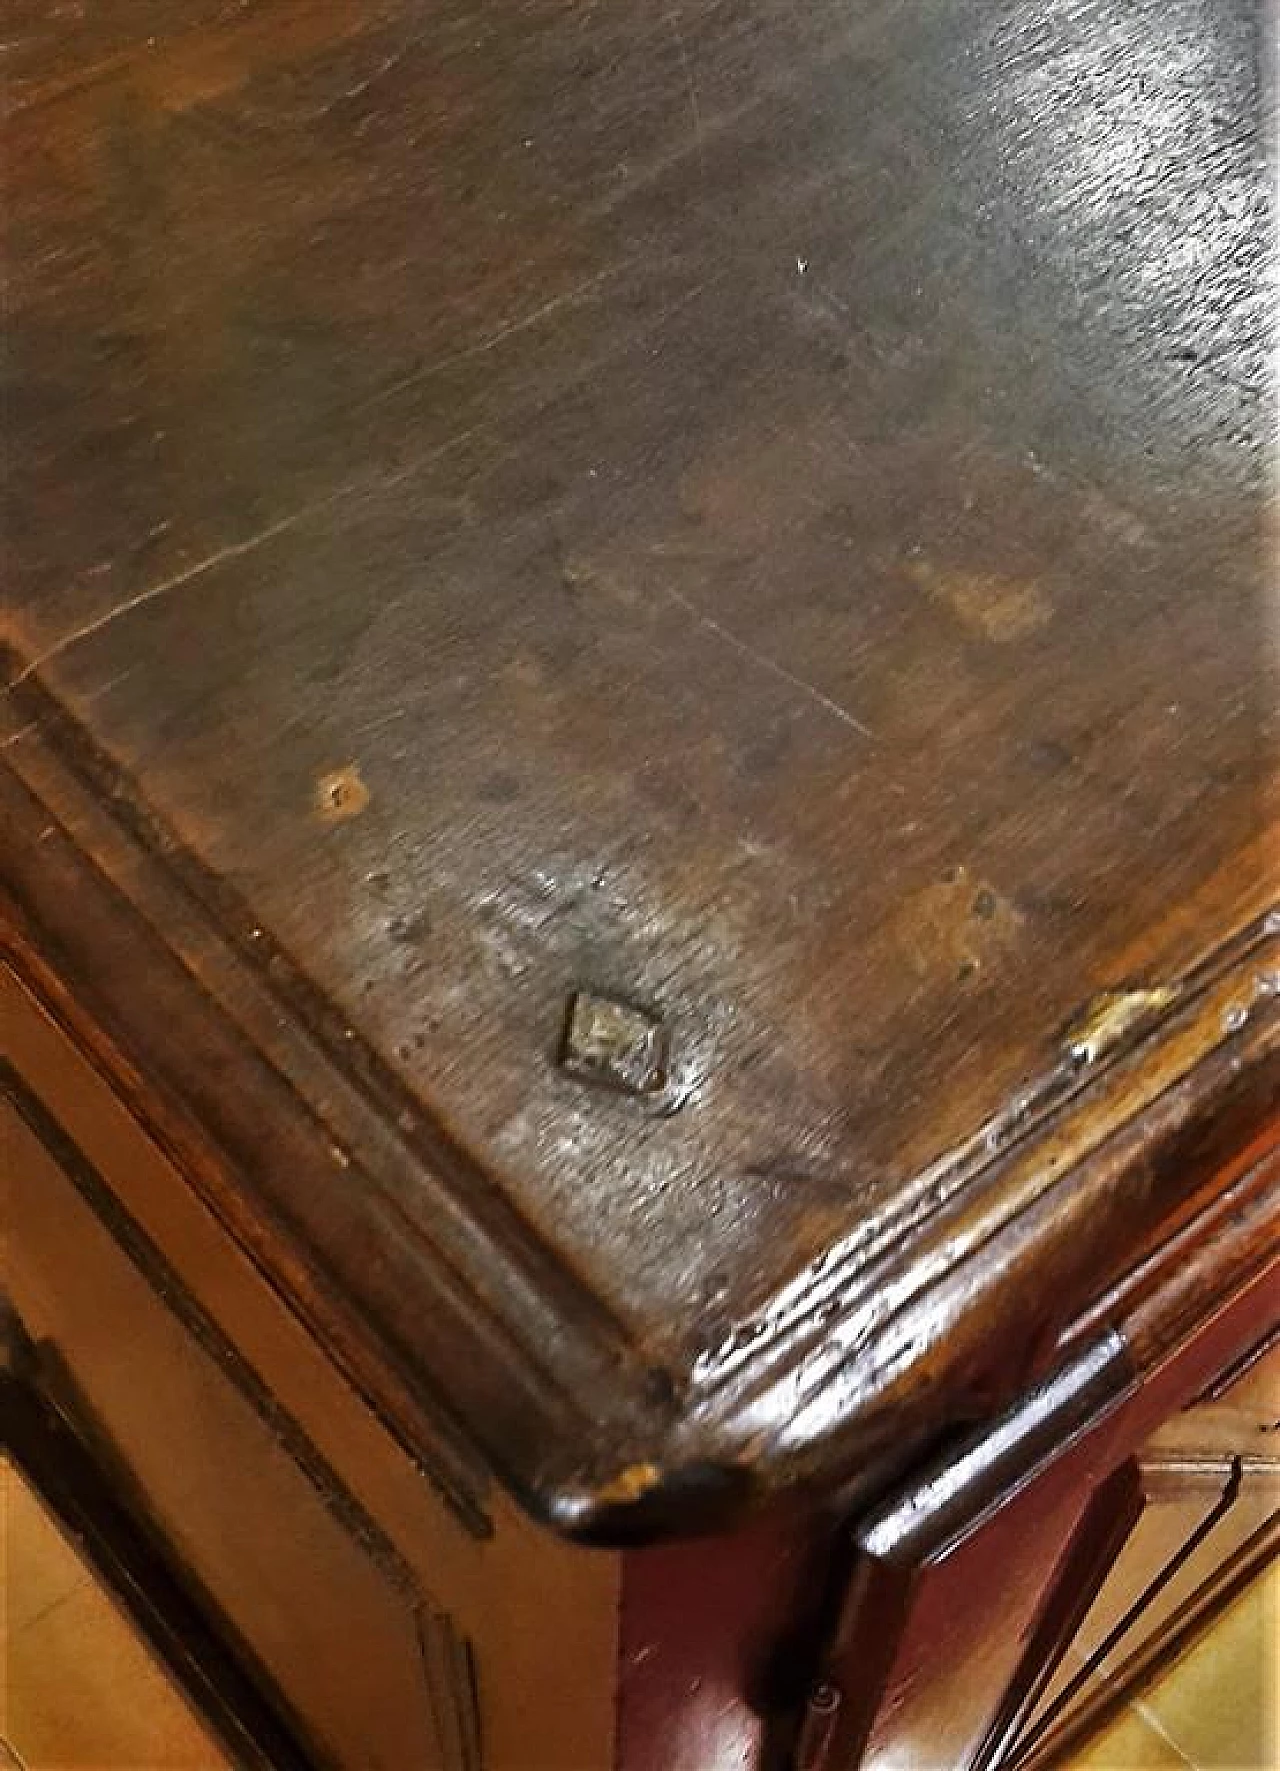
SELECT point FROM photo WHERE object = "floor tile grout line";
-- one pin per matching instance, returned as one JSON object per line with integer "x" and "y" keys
{"x": 1153, "y": 1722}
{"x": 38, "y": 1617}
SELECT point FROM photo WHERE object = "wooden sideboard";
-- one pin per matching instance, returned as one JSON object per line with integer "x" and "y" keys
{"x": 640, "y": 968}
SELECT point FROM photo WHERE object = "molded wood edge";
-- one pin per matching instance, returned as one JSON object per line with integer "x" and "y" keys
{"x": 839, "y": 1383}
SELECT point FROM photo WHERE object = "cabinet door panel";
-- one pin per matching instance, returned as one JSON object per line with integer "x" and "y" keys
{"x": 346, "y": 1641}
{"x": 951, "y": 1580}
{"x": 1063, "y": 1533}
{"x": 1211, "y": 1492}
{"x": 489, "y": 1577}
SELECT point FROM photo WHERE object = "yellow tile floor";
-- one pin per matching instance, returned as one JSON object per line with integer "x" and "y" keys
{"x": 79, "y": 1693}
{"x": 1216, "y": 1709}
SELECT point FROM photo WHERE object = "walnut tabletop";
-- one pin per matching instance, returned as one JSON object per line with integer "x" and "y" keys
{"x": 639, "y": 684}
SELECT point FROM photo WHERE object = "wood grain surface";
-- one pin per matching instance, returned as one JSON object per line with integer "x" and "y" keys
{"x": 747, "y": 512}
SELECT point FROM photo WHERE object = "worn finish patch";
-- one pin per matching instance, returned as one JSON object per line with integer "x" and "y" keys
{"x": 341, "y": 794}
{"x": 951, "y": 929}
{"x": 994, "y": 608}
{"x": 1110, "y": 1016}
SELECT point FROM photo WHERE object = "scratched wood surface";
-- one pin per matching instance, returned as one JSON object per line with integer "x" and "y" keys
{"x": 753, "y": 511}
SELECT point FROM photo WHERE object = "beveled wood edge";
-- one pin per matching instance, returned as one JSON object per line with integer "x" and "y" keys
{"x": 1223, "y": 1016}
{"x": 412, "y": 1399}
{"x": 841, "y": 1381}
{"x": 68, "y": 760}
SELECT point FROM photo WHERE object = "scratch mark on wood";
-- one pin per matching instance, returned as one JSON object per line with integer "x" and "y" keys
{"x": 153, "y": 592}
{"x": 764, "y": 662}
{"x": 238, "y": 549}
{"x": 32, "y": 725}
{"x": 112, "y": 682}
{"x": 362, "y": 485}
{"x": 691, "y": 87}
{"x": 510, "y": 329}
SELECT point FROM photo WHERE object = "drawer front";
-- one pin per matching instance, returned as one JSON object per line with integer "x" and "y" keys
{"x": 246, "y": 1506}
